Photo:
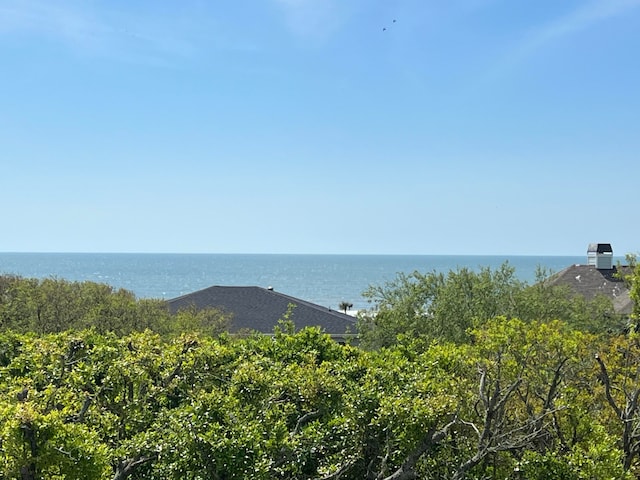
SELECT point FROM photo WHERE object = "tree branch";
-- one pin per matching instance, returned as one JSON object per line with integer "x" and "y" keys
{"x": 126, "y": 467}
{"x": 430, "y": 440}
{"x": 607, "y": 387}
{"x": 304, "y": 419}
{"x": 83, "y": 410}
{"x": 338, "y": 473}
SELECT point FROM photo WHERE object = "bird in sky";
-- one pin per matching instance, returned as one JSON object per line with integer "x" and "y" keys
{"x": 384, "y": 29}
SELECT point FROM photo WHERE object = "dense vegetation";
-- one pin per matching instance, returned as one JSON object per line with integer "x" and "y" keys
{"x": 497, "y": 396}
{"x": 445, "y": 307}
{"x": 56, "y": 305}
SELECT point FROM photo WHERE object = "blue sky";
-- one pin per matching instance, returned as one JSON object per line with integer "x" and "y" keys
{"x": 320, "y": 126}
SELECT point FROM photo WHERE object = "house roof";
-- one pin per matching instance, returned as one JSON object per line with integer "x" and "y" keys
{"x": 260, "y": 309}
{"x": 589, "y": 281}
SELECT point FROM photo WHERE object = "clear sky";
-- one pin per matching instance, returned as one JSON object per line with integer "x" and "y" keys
{"x": 320, "y": 126}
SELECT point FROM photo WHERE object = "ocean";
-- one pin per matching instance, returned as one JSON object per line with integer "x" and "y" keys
{"x": 325, "y": 280}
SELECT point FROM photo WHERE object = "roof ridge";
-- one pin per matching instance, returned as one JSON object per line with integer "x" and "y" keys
{"x": 308, "y": 303}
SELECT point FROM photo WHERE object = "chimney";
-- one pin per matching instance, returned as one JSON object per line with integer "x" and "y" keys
{"x": 600, "y": 255}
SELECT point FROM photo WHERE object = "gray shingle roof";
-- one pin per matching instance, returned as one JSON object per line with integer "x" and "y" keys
{"x": 260, "y": 309}
{"x": 589, "y": 281}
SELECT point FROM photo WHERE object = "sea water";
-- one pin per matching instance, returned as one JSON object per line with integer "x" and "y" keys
{"x": 326, "y": 280}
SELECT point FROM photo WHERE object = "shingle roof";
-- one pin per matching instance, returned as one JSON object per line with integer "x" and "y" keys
{"x": 589, "y": 281}
{"x": 260, "y": 309}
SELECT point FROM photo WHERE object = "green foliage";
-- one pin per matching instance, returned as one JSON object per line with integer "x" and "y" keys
{"x": 491, "y": 396}
{"x": 522, "y": 395}
{"x": 47, "y": 446}
{"x": 437, "y": 306}
{"x": 634, "y": 281}
{"x": 596, "y": 459}
{"x": 442, "y": 307}
{"x": 54, "y": 305}
{"x": 545, "y": 302}
{"x": 209, "y": 321}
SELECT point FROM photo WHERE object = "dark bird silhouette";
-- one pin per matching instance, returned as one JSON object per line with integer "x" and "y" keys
{"x": 384, "y": 29}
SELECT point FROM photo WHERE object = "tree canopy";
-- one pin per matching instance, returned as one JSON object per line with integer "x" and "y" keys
{"x": 467, "y": 376}
{"x": 439, "y": 306}
{"x": 53, "y": 305}
{"x": 525, "y": 396}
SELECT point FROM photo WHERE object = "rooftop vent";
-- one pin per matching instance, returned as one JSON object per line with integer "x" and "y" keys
{"x": 600, "y": 255}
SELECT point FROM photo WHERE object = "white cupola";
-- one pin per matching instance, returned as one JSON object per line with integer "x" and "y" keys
{"x": 600, "y": 255}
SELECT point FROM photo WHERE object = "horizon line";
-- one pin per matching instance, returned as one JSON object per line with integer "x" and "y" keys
{"x": 298, "y": 253}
